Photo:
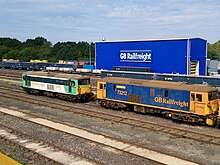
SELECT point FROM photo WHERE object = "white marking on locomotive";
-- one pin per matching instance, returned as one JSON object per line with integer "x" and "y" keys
{"x": 48, "y": 87}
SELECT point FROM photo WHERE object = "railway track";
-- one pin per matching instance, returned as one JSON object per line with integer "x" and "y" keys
{"x": 7, "y": 139}
{"x": 105, "y": 141}
{"x": 153, "y": 126}
{"x": 39, "y": 149}
{"x": 17, "y": 76}
{"x": 12, "y": 73}
{"x": 10, "y": 77}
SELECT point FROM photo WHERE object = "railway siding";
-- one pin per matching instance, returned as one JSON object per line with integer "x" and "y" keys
{"x": 46, "y": 151}
{"x": 185, "y": 133}
{"x": 114, "y": 143}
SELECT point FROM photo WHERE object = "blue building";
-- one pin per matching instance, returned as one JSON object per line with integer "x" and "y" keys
{"x": 180, "y": 56}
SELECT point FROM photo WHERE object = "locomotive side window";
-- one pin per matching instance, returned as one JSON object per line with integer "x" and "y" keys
{"x": 65, "y": 82}
{"x": 166, "y": 94}
{"x": 192, "y": 98}
{"x": 212, "y": 96}
{"x": 84, "y": 82}
{"x": 25, "y": 77}
{"x": 199, "y": 97}
{"x": 114, "y": 87}
{"x": 100, "y": 86}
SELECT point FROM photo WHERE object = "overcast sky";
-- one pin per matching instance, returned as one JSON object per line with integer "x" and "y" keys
{"x": 92, "y": 20}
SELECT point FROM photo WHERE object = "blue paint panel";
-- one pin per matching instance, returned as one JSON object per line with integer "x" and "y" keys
{"x": 176, "y": 99}
{"x": 113, "y": 94}
{"x": 198, "y": 53}
{"x": 164, "y": 55}
{"x": 167, "y": 56}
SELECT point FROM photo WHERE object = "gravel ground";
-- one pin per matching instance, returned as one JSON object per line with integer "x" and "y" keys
{"x": 199, "y": 152}
{"x": 70, "y": 143}
{"x": 20, "y": 155}
{"x": 151, "y": 118}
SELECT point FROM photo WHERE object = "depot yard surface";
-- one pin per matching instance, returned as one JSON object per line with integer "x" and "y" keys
{"x": 178, "y": 146}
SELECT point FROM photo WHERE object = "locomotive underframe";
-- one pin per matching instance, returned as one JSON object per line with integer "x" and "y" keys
{"x": 66, "y": 97}
{"x": 177, "y": 115}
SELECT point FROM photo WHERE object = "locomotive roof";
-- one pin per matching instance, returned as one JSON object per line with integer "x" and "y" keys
{"x": 56, "y": 75}
{"x": 160, "y": 84}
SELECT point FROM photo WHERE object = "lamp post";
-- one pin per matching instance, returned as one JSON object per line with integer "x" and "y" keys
{"x": 90, "y": 52}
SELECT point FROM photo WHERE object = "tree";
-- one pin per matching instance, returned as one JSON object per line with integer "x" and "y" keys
{"x": 38, "y": 41}
{"x": 217, "y": 48}
{"x": 214, "y": 51}
{"x": 4, "y": 51}
{"x": 13, "y": 54}
{"x": 44, "y": 51}
{"x": 10, "y": 43}
{"x": 40, "y": 48}
{"x": 211, "y": 52}
{"x": 26, "y": 54}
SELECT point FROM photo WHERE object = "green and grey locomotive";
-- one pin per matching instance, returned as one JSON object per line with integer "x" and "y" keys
{"x": 65, "y": 86}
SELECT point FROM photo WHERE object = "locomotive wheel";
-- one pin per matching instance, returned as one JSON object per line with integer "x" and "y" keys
{"x": 217, "y": 125}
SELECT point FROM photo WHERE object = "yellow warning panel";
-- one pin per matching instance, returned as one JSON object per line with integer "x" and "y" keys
{"x": 5, "y": 160}
{"x": 193, "y": 67}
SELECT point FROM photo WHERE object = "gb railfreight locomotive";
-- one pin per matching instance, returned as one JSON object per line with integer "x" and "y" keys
{"x": 65, "y": 86}
{"x": 177, "y": 100}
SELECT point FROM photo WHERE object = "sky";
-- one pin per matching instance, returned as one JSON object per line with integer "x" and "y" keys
{"x": 93, "y": 20}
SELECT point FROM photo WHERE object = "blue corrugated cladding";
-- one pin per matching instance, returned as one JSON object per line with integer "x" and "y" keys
{"x": 167, "y": 56}
{"x": 198, "y": 53}
{"x": 180, "y": 97}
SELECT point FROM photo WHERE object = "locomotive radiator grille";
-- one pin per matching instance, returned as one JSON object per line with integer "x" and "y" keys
{"x": 134, "y": 98}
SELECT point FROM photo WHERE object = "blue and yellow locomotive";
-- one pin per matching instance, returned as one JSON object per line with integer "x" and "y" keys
{"x": 177, "y": 100}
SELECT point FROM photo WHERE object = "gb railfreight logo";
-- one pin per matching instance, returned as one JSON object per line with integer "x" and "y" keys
{"x": 136, "y": 56}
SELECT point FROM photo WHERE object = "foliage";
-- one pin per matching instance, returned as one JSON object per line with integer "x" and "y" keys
{"x": 214, "y": 51}
{"x": 10, "y": 43}
{"x": 41, "y": 49}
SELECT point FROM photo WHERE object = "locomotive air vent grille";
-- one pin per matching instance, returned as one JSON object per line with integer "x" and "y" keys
{"x": 134, "y": 98}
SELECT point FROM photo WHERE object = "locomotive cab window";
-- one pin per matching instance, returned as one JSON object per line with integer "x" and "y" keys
{"x": 101, "y": 86}
{"x": 199, "y": 97}
{"x": 72, "y": 83}
{"x": 66, "y": 83}
{"x": 25, "y": 77}
{"x": 192, "y": 98}
{"x": 84, "y": 82}
{"x": 212, "y": 96}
